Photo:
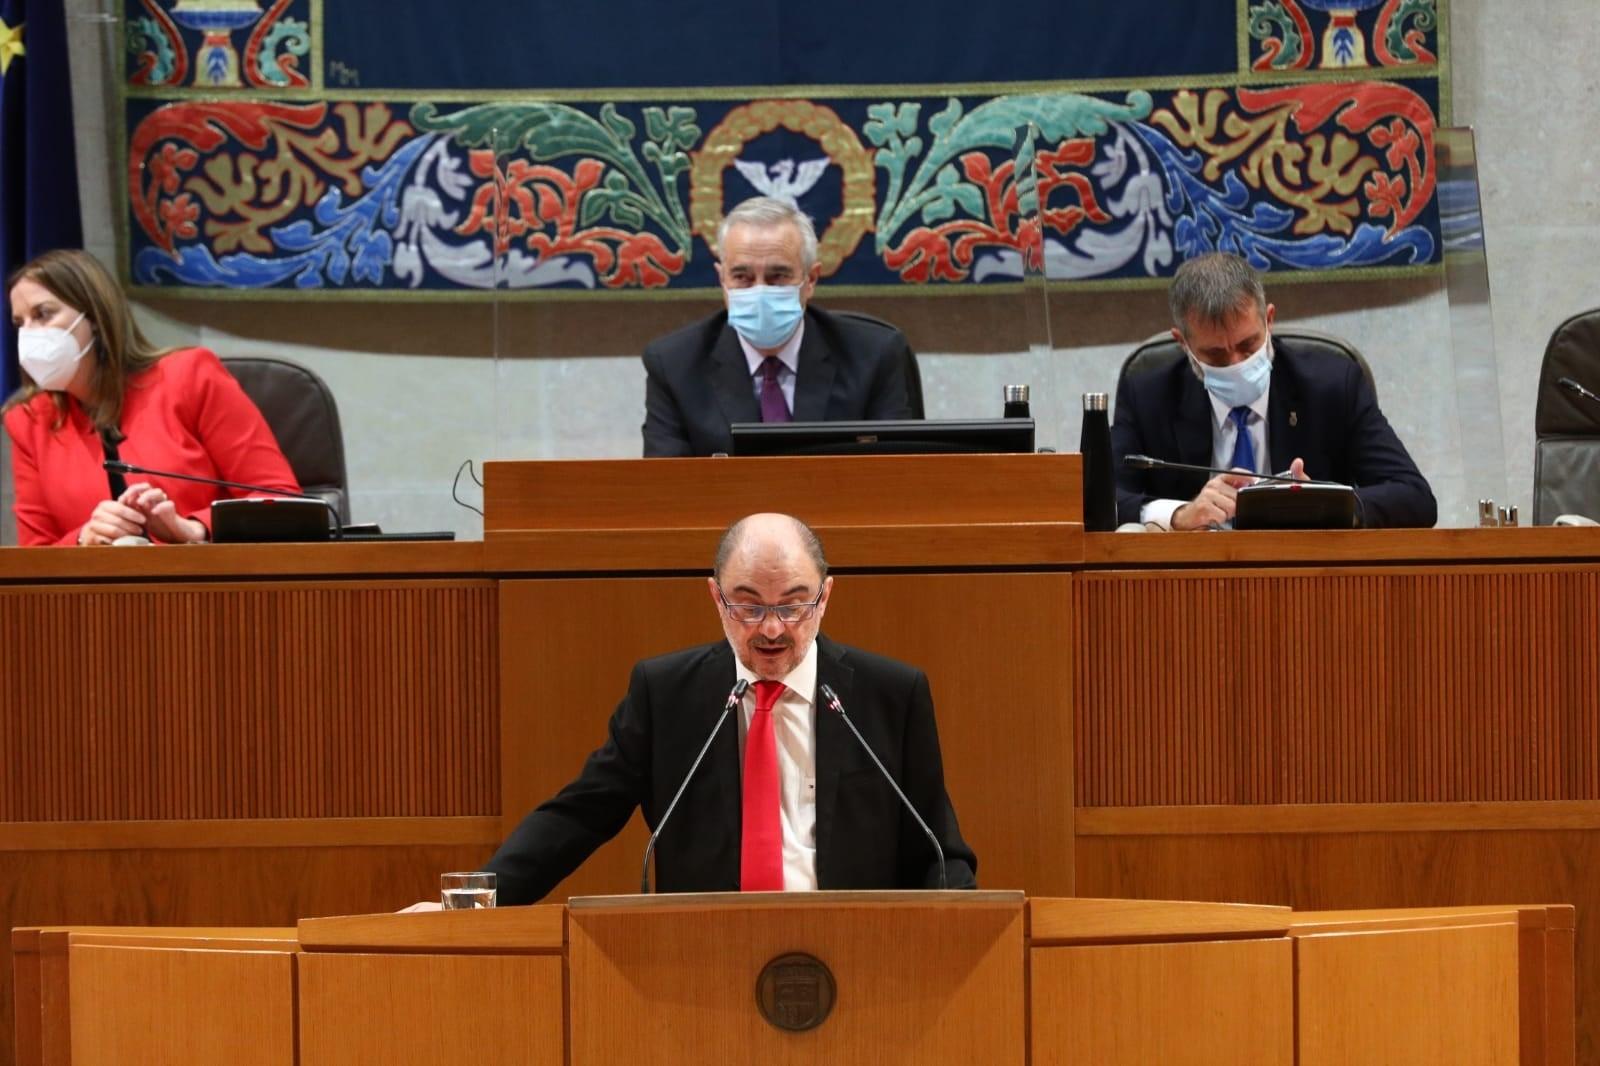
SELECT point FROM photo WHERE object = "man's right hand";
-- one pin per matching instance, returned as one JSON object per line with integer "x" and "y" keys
{"x": 424, "y": 905}
{"x": 1215, "y": 503}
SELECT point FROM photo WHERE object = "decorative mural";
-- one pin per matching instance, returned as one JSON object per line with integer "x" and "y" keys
{"x": 260, "y": 156}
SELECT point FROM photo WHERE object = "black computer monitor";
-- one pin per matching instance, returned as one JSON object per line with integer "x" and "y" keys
{"x": 911, "y": 436}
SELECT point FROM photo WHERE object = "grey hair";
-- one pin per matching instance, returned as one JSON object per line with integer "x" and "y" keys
{"x": 1213, "y": 288}
{"x": 764, "y": 212}
{"x": 735, "y": 535}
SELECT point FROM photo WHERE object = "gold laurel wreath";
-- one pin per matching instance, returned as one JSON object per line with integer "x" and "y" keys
{"x": 838, "y": 141}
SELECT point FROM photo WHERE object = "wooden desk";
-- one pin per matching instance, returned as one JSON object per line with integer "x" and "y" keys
{"x": 1403, "y": 719}
{"x": 249, "y": 735}
{"x": 971, "y": 976}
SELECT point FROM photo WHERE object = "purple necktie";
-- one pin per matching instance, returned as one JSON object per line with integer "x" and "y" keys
{"x": 773, "y": 409}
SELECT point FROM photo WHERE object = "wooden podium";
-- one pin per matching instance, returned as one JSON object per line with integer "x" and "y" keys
{"x": 862, "y": 977}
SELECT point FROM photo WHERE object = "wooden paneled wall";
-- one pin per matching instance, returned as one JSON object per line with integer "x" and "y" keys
{"x": 291, "y": 700}
{"x": 1399, "y": 685}
{"x": 1355, "y": 736}
{"x": 240, "y": 752}
{"x": 999, "y": 675}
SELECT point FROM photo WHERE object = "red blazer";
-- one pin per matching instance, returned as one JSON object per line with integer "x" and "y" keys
{"x": 185, "y": 414}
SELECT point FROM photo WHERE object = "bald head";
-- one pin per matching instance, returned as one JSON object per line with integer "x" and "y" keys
{"x": 768, "y": 561}
{"x": 769, "y": 539}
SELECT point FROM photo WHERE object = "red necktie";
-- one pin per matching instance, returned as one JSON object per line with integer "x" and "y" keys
{"x": 761, "y": 844}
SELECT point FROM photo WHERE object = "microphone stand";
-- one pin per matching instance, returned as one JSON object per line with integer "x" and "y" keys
{"x": 117, "y": 466}
{"x": 837, "y": 707}
{"x": 1147, "y": 462}
{"x": 734, "y": 696}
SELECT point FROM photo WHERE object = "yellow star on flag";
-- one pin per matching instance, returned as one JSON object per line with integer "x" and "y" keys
{"x": 10, "y": 44}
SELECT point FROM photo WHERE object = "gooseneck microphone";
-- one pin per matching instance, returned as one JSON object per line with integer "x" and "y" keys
{"x": 734, "y": 696}
{"x": 1148, "y": 462}
{"x": 110, "y": 437}
{"x": 832, "y": 700}
{"x": 117, "y": 466}
{"x": 1577, "y": 390}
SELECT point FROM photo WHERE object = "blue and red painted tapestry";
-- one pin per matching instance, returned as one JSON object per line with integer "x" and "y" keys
{"x": 346, "y": 147}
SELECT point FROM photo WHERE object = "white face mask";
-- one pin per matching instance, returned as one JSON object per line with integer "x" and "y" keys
{"x": 50, "y": 355}
{"x": 1241, "y": 384}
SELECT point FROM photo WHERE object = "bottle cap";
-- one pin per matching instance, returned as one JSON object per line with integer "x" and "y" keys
{"x": 1095, "y": 401}
{"x": 1016, "y": 394}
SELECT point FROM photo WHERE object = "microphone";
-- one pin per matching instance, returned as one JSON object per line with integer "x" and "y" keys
{"x": 832, "y": 700}
{"x": 1577, "y": 390}
{"x": 734, "y": 696}
{"x": 117, "y": 466}
{"x": 1146, "y": 462}
{"x": 109, "y": 439}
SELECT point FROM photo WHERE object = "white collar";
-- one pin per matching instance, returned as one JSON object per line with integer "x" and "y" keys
{"x": 1220, "y": 410}
{"x": 788, "y": 355}
{"x": 802, "y": 680}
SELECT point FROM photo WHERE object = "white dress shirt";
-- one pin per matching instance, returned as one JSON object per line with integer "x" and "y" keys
{"x": 789, "y": 360}
{"x": 794, "y": 731}
{"x": 1224, "y": 434}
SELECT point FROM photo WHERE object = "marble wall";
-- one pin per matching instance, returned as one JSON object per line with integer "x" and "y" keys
{"x": 421, "y": 388}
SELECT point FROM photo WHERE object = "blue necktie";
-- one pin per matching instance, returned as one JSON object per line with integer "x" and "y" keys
{"x": 1244, "y": 452}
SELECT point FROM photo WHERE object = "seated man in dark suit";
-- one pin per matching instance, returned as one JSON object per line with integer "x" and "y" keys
{"x": 1240, "y": 401}
{"x": 786, "y": 799}
{"x": 770, "y": 355}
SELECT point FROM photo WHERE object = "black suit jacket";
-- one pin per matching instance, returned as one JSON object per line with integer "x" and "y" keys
{"x": 698, "y": 382}
{"x": 1320, "y": 408}
{"x": 865, "y": 839}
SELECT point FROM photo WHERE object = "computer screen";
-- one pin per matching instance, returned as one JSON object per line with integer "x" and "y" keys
{"x": 912, "y": 436}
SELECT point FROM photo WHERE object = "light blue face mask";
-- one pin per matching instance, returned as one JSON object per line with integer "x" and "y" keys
{"x": 765, "y": 315}
{"x": 1241, "y": 384}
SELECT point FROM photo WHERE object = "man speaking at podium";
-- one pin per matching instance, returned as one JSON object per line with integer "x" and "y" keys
{"x": 770, "y": 355}
{"x": 787, "y": 799}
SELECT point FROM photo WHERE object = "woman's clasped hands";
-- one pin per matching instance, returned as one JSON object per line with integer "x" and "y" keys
{"x": 143, "y": 510}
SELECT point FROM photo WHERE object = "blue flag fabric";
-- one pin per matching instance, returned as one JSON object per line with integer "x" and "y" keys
{"x": 38, "y": 168}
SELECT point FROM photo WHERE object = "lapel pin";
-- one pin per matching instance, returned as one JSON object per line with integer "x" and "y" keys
{"x": 1294, "y": 418}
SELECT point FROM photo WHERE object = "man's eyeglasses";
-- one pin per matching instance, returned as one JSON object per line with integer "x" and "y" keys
{"x": 753, "y": 613}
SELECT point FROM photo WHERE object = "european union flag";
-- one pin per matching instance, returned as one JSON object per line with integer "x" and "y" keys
{"x": 38, "y": 169}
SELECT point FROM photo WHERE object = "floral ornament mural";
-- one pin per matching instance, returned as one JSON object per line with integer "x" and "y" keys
{"x": 256, "y": 161}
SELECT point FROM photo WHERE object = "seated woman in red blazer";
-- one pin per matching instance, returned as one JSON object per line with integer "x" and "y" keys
{"x": 91, "y": 376}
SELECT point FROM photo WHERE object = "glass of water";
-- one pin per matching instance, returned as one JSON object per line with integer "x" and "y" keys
{"x": 466, "y": 890}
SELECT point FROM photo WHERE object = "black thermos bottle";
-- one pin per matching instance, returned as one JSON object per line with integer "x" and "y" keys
{"x": 1016, "y": 401}
{"x": 1099, "y": 480}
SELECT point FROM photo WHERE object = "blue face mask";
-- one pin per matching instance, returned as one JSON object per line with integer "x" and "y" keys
{"x": 1241, "y": 384}
{"x": 765, "y": 315}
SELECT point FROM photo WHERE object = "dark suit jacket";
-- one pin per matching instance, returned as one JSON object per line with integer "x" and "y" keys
{"x": 698, "y": 383}
{"x": 864, "y": 837}
{"x": 1320, "y": 409}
